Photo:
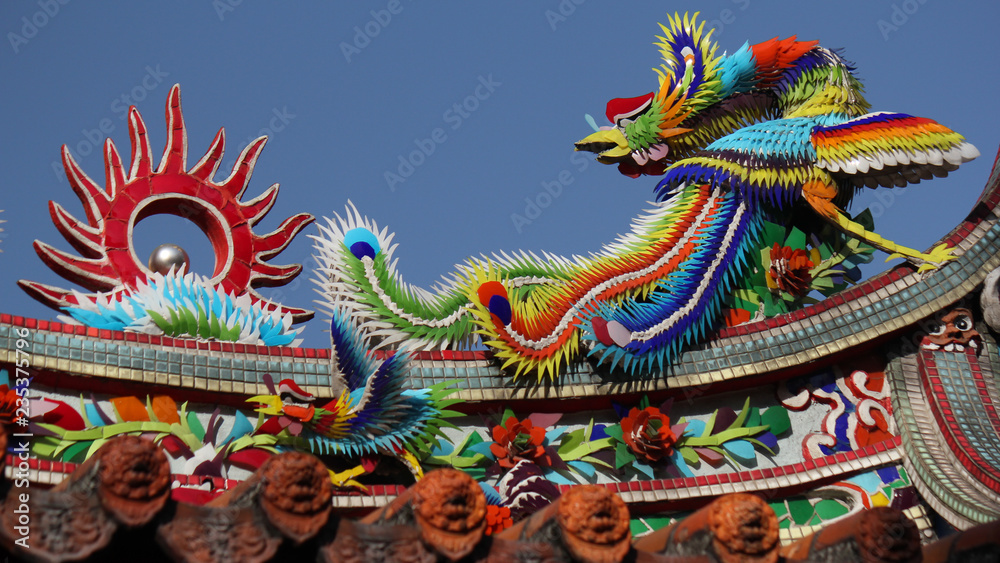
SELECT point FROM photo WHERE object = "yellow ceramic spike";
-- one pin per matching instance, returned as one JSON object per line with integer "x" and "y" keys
{"x": 412, "y": 464}
{"x": 345, "y": 479}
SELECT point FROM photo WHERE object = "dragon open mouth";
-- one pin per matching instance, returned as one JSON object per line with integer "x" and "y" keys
{"x": 595, "y": 147}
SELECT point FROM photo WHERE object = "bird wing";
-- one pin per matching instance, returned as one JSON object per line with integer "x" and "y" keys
{"x": 889, "y": 149}
{"x": 377, "y": 412}
{"x": 767, "y": 161}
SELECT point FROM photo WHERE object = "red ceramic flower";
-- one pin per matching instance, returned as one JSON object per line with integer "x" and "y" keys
{"x": 497, "y": 519}
{"x": 790, "y": 269}
{"x": 647, "y": 433}
{"x": 517, "y": 440}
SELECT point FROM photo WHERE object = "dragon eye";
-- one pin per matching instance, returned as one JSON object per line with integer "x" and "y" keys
{"x": 963, "y": 323}
{"x": 935, "y": 328}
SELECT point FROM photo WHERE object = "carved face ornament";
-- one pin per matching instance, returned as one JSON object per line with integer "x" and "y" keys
{"x": 951, "y": 332}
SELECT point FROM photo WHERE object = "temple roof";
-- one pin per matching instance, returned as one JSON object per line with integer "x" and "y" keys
{"x": 118, "y": 506}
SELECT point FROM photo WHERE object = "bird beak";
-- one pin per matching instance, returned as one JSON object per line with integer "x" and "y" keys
{"x": 268, "y": 404}
{"x": 610, "y": 145}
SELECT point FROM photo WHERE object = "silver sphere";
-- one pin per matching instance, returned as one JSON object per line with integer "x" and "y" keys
{"x": 167, "y": 255}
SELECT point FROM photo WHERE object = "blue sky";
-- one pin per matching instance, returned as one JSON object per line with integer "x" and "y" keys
{"x": 344, "y": 90}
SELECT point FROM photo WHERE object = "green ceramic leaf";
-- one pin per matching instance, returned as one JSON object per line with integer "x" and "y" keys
{"x": 742, "y": 417}
{"x": 622, "y": 455}
{"x": 507, "y": 413}
{"x": 204, "y": 328}
{"x": 828, "y": 509}
{"x": 158, "y": 320}
{"x": 195, "y": 425}
{"x": 477, "y": 473}
{"x": 709, "y": 425}
{"x": 772, "y": 233}
{"x": 74, "y": 452}
{"x": 865, "y": 219}
{"x": 94, "y": 446}
{"x": 586, "y": 448}
{"x": 777, "y": 420}
{"x": 45, "y": 449}
{"x": 192, "y": 321}
{"x": 615, "y": 431}
{"x": 800, "y": 510}
{"x": 796, "y": 239}
{"x": 690, "y": 456}
{"x": 657, "y": 522}
{"x": 779, "y": 509}
{"x": 638, "y": 528}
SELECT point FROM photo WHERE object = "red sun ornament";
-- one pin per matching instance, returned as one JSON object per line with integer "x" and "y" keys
{"x": 109, "y": 264}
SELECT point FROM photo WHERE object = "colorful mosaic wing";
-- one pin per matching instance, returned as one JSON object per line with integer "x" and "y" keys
{"x": 889, "y": 149}
{"x": 768, "y": 162}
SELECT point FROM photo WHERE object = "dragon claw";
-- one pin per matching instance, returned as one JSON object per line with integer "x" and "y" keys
{"x": 345, "y": 479}
{"x": 932, "y": 260}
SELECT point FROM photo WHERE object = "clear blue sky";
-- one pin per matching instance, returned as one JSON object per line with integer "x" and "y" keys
{"x": 342, "y": 116}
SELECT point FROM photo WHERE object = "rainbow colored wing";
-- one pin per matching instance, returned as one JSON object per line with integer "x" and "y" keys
{"x": 889, "y": 149}
{"x": 767, "y": 162}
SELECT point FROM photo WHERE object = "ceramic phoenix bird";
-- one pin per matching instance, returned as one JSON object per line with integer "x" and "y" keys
{"x": 372, "y": 415}
{"x": 775, "y": 134}
{"x": 773, "y": 123}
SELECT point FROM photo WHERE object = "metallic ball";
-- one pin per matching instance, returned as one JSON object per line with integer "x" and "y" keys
{"x": 167, "y": 255}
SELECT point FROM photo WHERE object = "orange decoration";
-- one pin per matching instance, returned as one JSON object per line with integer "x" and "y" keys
{"x": 165, "y": 409}
{"x": 130, "y": 409}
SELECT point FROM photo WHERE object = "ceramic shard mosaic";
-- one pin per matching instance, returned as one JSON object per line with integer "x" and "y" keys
{"x": 724, "y": 352}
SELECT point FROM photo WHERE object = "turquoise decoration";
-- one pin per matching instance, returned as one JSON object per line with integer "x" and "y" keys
{"x": 181, "y": 305}
{"x": 362, "y": 242}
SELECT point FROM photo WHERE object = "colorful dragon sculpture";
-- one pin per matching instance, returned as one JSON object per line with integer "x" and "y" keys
{"x": 774, "y": 132}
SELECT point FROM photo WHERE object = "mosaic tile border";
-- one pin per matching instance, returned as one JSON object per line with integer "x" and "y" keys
{"x": 939, "y": 478}
{"x": 632, "y": 492}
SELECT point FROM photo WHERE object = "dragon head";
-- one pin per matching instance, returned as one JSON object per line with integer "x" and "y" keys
{"x": 650, "y": 132}
{"x": 288, "y": 399}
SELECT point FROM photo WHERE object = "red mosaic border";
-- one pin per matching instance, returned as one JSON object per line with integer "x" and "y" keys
{"x": 841, "y": 458}
{"x": 216, "y": 346}
{"x": 751, "y": 475}
{"x": 953, "y": 435}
